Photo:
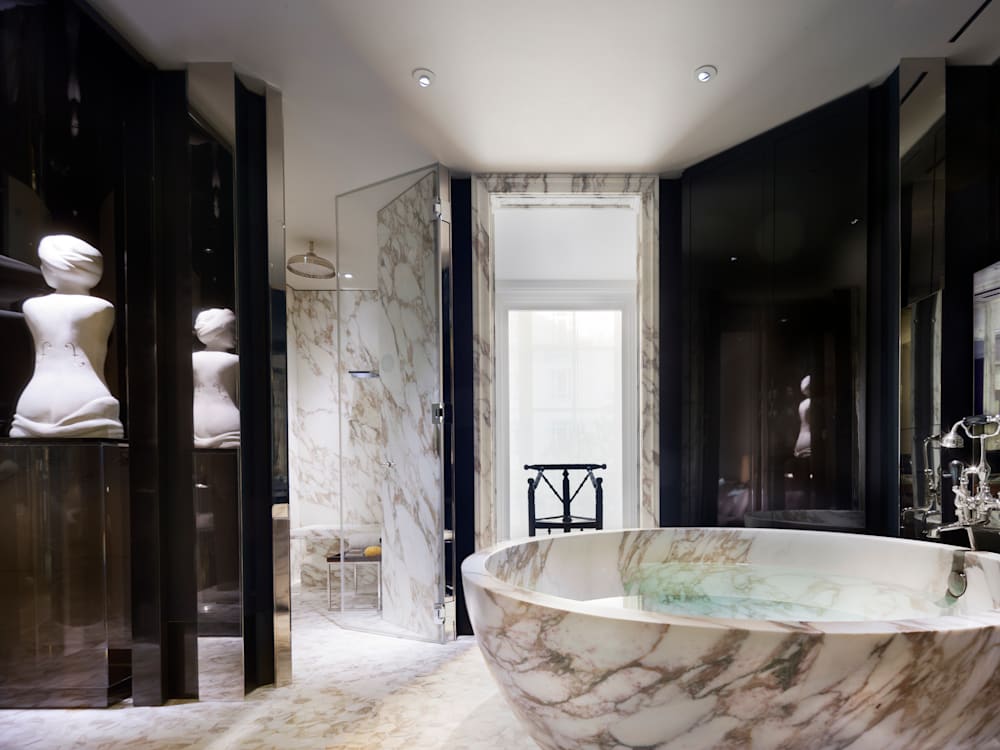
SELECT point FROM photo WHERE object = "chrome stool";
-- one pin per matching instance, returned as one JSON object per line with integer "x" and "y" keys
{"x": 353, "y": 558}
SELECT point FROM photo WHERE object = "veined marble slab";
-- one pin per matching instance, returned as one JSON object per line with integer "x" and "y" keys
{"x": 410, "y": 370}
{"x": 483, "y": 327}
{"x": 891, "y": 661}
{"x": 338, "y": 466}
{"x": 314, "y": 417}
{"x": 363, "y": 459}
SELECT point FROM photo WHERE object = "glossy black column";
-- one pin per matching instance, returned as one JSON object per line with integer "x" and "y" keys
{"x": 160, "y": 345}
{"x": 671, "y": 351}
{"x": 883, "y": 305}
{"x": 463, "y": 423}
{"x": 148, "y": 686}
{"x": 255, "y": 386}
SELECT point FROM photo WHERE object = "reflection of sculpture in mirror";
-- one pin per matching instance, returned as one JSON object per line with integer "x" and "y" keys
{"x": 216, "y": 370}
{"x": 803, "y": 443}
{"x": 67, "y": 396}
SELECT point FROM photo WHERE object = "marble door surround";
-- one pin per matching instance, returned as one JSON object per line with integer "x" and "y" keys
{"x": 487, "y": 190}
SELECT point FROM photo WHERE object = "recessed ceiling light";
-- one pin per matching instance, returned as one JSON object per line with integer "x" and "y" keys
{"x": 733, "y": 258}
{"x": 706, "y": 73}
{"x": 347, "y": 275}
{"x": 423, "y": 77}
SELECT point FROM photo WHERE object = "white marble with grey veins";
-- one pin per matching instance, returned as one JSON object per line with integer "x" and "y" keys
{"x": 366, "y": 451}
{"x": 349, "y": 691}
{"x": 338, "y": 456}
{"x": 483, "y": 326}
{"x": 314, "y": 420}
{"x": 412, "y": 512}
{"x": 849, "y": 641}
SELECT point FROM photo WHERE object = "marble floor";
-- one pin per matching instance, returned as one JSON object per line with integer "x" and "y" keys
{"x": 351, "y": 691}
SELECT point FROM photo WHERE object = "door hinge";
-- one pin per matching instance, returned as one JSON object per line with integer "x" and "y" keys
{"x": 442, "y": 211}
{"x": 439, "y": 614}
{"x": 437, "y": 413}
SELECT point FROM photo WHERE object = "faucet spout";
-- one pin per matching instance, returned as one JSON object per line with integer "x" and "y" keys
{"x": 936, "y": 532}
{"x": 974, "y": 501}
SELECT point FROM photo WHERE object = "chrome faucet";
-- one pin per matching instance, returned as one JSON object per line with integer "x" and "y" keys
{"x": 932, "y": 485}
{"x": 973, "y": 504}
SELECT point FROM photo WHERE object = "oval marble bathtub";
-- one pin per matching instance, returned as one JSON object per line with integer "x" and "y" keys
{"x": 741, "y": 638}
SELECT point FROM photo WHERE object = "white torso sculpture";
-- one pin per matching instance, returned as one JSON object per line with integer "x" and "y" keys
{"x": 216, "y": 374}
{"x": 67, "y": 396}
{"x": 803, "y": 444}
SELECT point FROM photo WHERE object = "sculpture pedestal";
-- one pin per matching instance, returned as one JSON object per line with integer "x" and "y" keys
{"x": 65, "y": 623}
{"x": 217, "y": 520}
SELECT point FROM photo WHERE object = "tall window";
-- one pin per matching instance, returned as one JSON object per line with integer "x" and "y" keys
{"x": 565, "y": 405}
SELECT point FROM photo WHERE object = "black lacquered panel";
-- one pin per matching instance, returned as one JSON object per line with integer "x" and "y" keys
{"x": 775, "y": 253}
{"x": 65, "y": 629}
{"x": 217, "y": 522}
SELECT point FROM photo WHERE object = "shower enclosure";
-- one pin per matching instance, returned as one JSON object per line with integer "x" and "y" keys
{"x": 393, "y": 349}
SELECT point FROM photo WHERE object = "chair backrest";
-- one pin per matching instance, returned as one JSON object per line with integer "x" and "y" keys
{"x": 566, "y": 521}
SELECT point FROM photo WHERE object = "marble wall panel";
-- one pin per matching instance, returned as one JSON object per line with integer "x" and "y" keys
{"x": 409, "y": 373}
{"x": 338, "y": 457}
{"x": 314, "y": 408}
{"x": 362, "y": 466}
{"x": 483, "y": 306}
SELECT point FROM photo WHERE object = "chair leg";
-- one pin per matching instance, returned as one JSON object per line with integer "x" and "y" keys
{"x": 599, "y": 514}
{"x": 531, "y": 507}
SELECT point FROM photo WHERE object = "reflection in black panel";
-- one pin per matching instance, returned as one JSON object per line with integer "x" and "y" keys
{"x": 212, "y": 232}
{"x": 61, "y": 161}
{"x": 922, "y": 202}
{"x": 776, "y": 250}
{"x": 217, "y": 521}
{"x": 65, "y": 624}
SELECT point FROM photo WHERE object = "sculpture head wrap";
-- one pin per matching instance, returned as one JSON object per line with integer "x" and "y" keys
{"x": 70, "y": 256}
{"x": 214, "y": 322}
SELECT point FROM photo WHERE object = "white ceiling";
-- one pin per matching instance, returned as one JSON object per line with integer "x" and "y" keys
{"x": 538, "y": 85}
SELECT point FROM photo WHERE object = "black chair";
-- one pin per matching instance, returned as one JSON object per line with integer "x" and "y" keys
{"x": 567, "y": 520}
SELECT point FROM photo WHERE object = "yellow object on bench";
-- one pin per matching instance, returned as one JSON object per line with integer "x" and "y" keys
{"x": 374, "y": 550}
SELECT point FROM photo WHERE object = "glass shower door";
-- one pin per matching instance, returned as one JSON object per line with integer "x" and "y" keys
{"x": 393, "y": 240}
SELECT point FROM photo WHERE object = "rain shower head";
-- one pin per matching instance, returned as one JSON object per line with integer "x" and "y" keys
{"x": 310, "y": 265}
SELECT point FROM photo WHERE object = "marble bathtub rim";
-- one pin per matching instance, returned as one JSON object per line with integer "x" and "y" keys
{"x": 475, "y": 573}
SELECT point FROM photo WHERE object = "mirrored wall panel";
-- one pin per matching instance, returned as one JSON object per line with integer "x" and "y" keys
{"x": 986, "y": 341}
{"x": 922, "y": 258}
{"x": 215, "y": 370}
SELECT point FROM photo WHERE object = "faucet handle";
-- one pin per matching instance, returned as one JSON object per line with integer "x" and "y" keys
{"x": 956, "y": 468}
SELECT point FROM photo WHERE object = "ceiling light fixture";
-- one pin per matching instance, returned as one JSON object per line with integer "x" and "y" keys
{"x": 423, "y": 77}
{"x": 706, "y": 73}
{"x": 311, "y": 265}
